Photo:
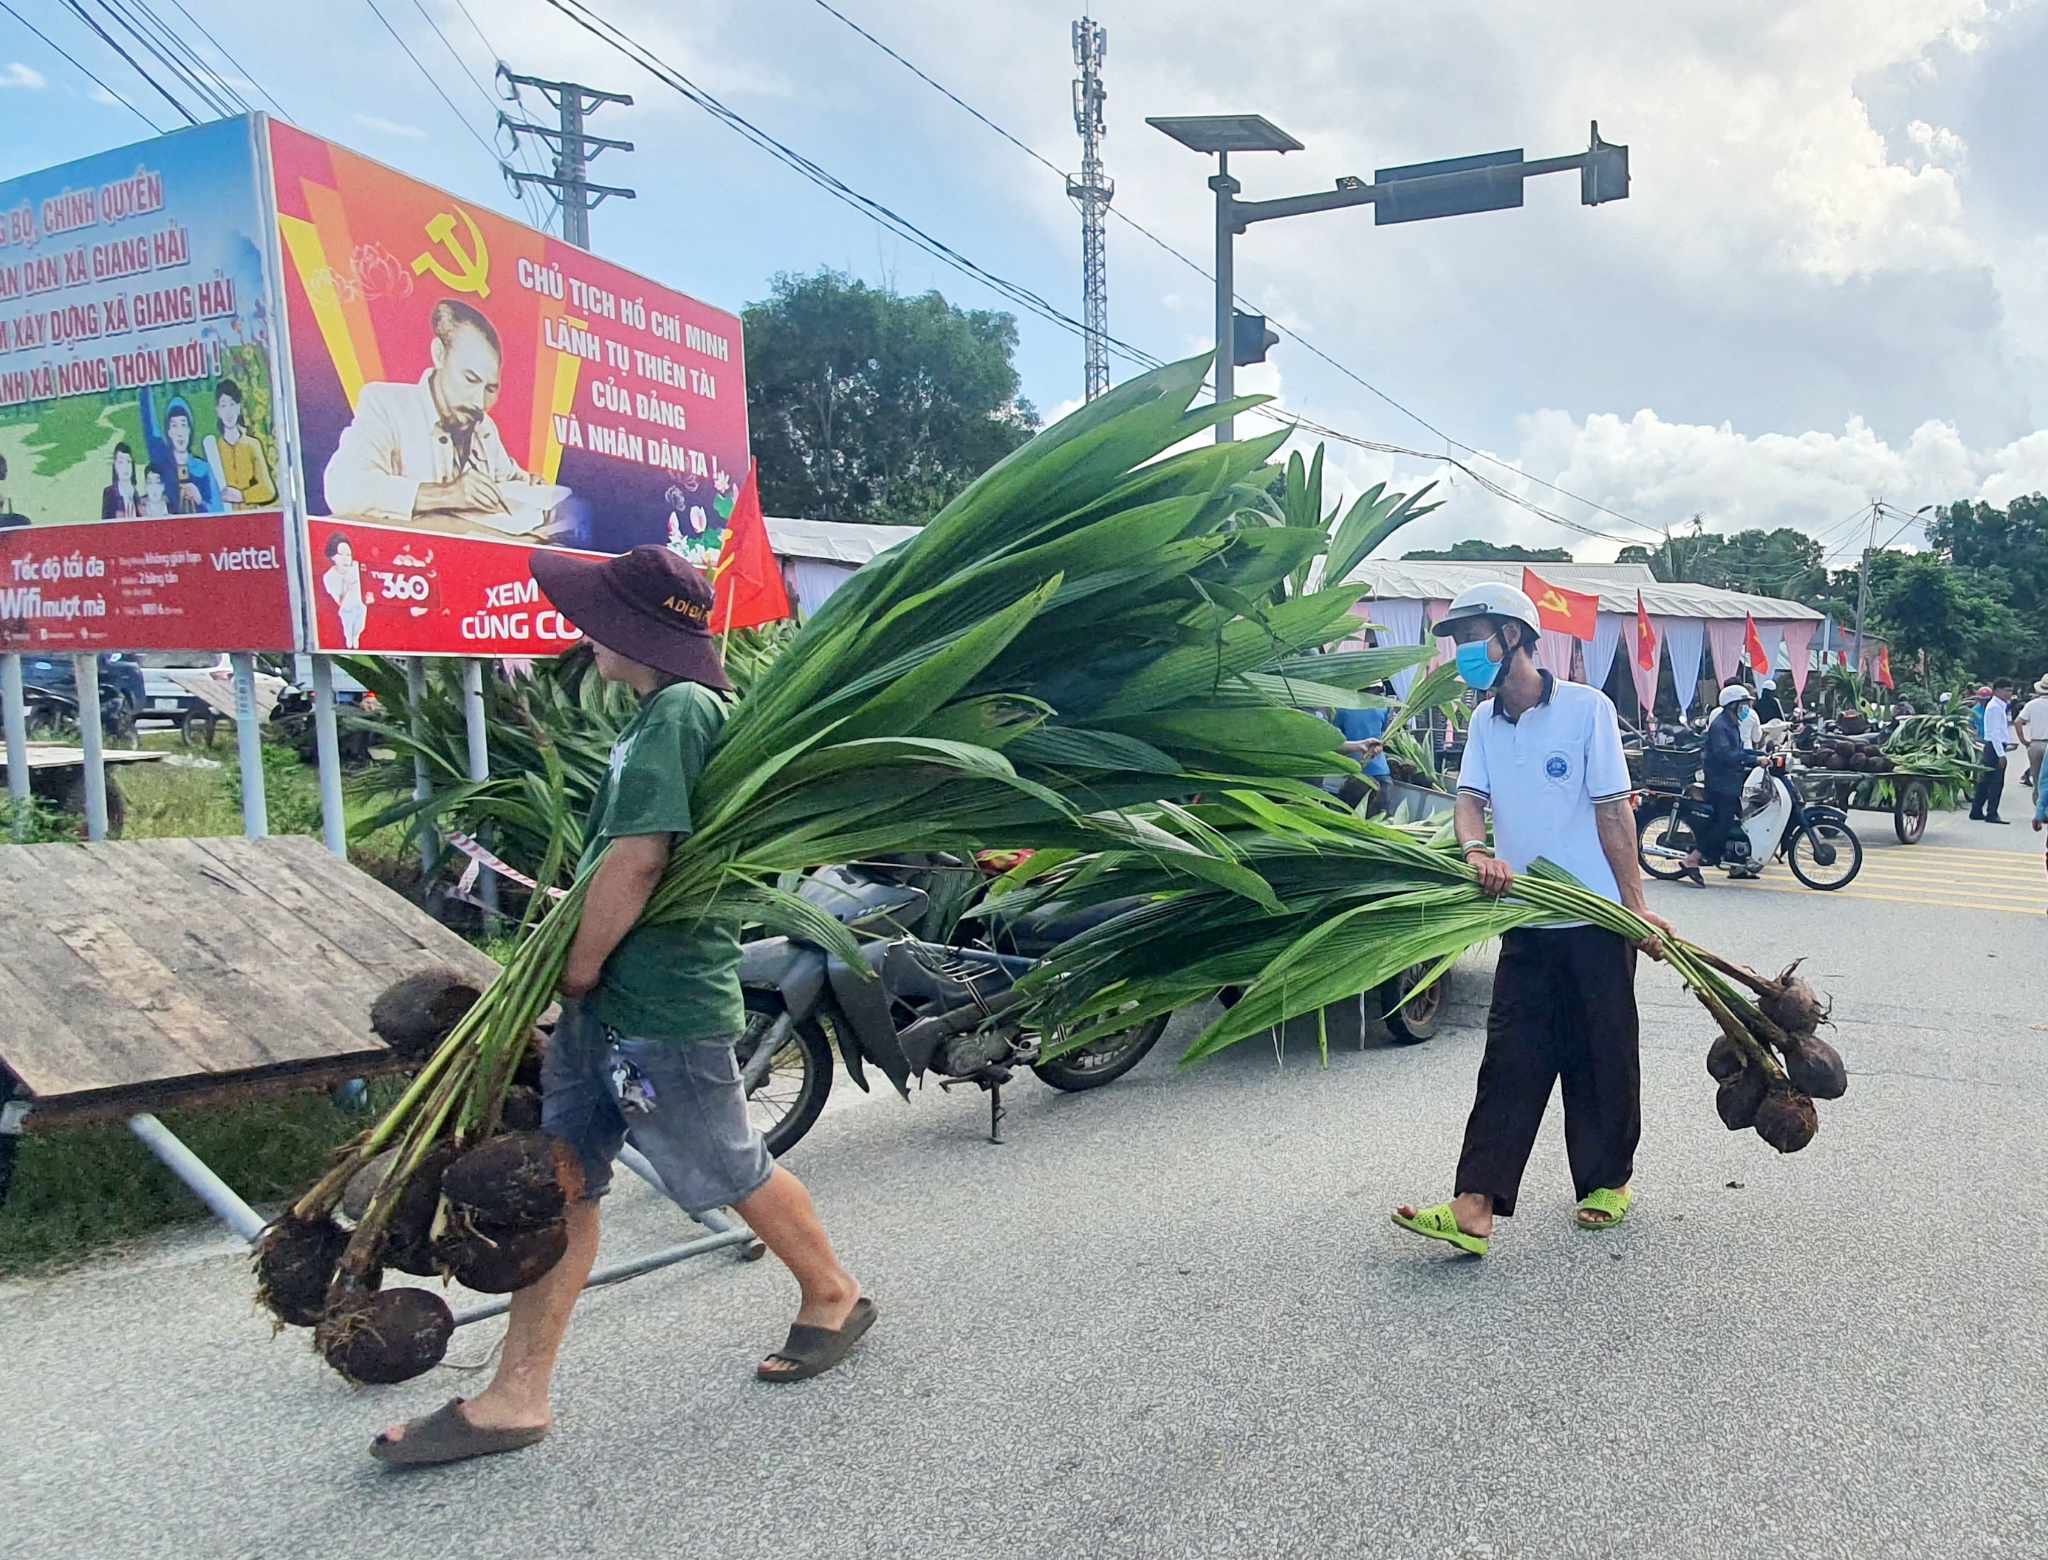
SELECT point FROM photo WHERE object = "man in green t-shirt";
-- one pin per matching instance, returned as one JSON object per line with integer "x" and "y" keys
{"x": 644, "y": 1048}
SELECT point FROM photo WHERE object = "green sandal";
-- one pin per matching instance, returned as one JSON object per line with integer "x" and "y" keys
{"x": 1610, "y": 1200}
{"x": 1439, "y": 1223}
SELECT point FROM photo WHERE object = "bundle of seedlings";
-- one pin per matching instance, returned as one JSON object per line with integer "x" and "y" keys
{"x": 1354, "y": 903}
{"x": 1941, "y": 749}
{"x": 1091, "y": 634}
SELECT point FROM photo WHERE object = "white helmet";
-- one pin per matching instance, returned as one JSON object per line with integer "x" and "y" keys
{"x": 1735, "y": 693}
{"x": 1494, "y": 600}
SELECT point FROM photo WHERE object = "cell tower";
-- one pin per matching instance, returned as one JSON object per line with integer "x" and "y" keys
{"x": 1091, "y": 189}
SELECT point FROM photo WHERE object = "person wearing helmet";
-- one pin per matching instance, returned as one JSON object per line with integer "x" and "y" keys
{"x": 1726, "y": 762}
{"x": 1544, "y": 757}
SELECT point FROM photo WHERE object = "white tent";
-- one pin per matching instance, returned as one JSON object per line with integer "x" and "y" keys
{"x": 819, "y": 556}
{"x": 1700, "y": 629}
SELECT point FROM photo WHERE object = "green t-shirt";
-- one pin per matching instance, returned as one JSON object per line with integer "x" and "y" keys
{"x": 678, "y": 981}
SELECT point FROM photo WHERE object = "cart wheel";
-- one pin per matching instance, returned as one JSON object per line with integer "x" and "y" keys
{"x": 198, "y": 728}
{"x": 1909, "y": 812}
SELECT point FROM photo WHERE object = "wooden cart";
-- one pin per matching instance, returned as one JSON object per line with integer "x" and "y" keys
{"x": 56, "y": 774}
{"x": 1855, "y": 790}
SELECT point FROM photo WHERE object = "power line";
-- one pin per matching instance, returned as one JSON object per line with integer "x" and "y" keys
{"x": 77, "y": 9}
{"x": 79, "y": 66}
{"x": 145, "y": 28}
{"x": 1208, "y": 276}
{"x": 226, "y": 54}
{"x": 528, "y": 200}
{"x": 489, "y": 150}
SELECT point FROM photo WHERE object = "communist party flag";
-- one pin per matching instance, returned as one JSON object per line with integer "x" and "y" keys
{"x": 1561, "y": 611}
{"x": 747, "y": 580}
{"x": 1753, "y": 648}
{"x": 1884, "y": 666}
{"x": 1646, "y": 638}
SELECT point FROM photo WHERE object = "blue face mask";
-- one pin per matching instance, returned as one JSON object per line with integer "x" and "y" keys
{"x": 1477, "y": 668}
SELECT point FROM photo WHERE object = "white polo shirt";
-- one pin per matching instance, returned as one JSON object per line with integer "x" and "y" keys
{"x": 1542, "y": 774}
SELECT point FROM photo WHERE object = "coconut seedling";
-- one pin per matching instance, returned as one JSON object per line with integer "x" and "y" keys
{"x": 415, "y": 1014}
{"x": 384, "y": 1337}
{"x": 295, "y": 1262}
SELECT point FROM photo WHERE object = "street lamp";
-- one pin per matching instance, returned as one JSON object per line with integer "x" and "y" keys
{"x": 1418, "y": 192}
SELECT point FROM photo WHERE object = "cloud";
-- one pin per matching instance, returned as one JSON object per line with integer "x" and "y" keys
{"x": 385, "y": 126}
{"x": 1938, "y": 145}
{"x": 16, "y": 74}
{"x": 102, "y": 96}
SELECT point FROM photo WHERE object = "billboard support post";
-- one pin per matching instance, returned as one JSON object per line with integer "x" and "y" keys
{"x": 17, "y": 739}
{"x": 479, "y": 756}
{"x": 249, "y": 748}
{"x": 86, "y": 673}
{"x": 327, "y": 742}
{"x": 422, "y": 783}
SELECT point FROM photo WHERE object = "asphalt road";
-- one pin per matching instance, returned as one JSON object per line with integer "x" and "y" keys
{"x": 1171, "y": 1318}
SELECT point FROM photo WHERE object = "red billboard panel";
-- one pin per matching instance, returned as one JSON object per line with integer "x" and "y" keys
{"x": 221, "y": 582}
{"x": 462, "y": 382}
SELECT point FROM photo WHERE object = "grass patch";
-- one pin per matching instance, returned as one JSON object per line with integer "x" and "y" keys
{"x": 80, "y": 1190}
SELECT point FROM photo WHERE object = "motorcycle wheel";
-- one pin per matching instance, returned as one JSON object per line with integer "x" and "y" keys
{"x": 1663, "y": 828}
{"x": 1103, "y": 1062}
{"x": 44, "y": 723}
{"x": 787, "y": 1100}
{"x": 1418, "y": 1021}
{"x": 1825, "y": 855}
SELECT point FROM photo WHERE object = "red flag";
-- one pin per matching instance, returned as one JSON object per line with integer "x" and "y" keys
{"x": 1646, "y": 638}
{"x": 1884, "y": 666}
{"x": 1558, "y": 610}
{"x": 1753, "y": 647}
{"x": 1841, "y": 658}
{"x": 747, "y": 579}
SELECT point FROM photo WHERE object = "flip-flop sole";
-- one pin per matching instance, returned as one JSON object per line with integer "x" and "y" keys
{"x": 1471, "y": 1245}
{"x": 1615, "y": 1216}
{"x": 444, "y": 1436}
{"x": 820, "y": 1348}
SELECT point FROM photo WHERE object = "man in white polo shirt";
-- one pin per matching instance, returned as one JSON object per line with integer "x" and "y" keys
{"x": 1545, "y": 757}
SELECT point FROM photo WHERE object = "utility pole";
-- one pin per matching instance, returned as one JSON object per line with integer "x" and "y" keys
{"x": 574, "y": 151}
{"x": 1863, "y": 584}
{"x": 1092, "y": 189}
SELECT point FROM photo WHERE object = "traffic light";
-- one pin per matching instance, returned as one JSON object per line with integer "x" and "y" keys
{"x": 1250, "y": 337}
{"x": 1603, "y": 176}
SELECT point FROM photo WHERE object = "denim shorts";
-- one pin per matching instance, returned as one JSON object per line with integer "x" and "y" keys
{"x": 679, "y": 1102}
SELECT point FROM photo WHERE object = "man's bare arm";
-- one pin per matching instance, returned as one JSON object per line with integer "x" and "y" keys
{"x": 619, "y": 891}
{"x": 1617, "y": 822}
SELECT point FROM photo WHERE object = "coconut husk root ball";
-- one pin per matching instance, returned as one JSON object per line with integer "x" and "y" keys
{"x": 518, "y": 1181}
{"x": 408, "y": 1238}
{"x": 1816, "y": 1068}
{"x": 496, "y": 1261}
{"x": 1737, "y": 1099}
{"x": 383, "y": 1338}
{"x": 295, "y": 1262}
{"x": 521, "y": 1111}
{"x": 1725, "y": 1060}
{"x": 1786, "y": 1119}
{"x": 414, "y": 1015}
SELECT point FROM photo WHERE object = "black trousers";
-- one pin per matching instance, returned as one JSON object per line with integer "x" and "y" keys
{"x": 1564, "y": 1007}
{"x": 1724, "y": 810}
{"x": 1991, "y": 787}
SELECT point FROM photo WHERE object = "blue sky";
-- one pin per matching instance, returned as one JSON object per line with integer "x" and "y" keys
{"x": 1829, "y": 282}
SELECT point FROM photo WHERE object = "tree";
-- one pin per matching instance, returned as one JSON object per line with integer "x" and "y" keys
{"x": 866, "y": 405}
{"x": 1782, "y": 562}
{"x": 1473, "y": 550}
{"x": 1921, "y": 602}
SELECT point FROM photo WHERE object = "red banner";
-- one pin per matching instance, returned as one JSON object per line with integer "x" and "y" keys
{"x": 470, "y": 388}
{"x": 220, "y": 583}
{"x": 399, "y": 592}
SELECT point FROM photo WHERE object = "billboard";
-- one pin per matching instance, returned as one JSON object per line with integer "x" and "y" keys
{"x": 139, "y": 463}
{"x": 466, "y": 388}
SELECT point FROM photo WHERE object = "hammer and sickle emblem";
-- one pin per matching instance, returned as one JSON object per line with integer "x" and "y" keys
{"x": 1553, "y": 602}
{"x": 723, "y": 562}
{"x": 472, "y": 265}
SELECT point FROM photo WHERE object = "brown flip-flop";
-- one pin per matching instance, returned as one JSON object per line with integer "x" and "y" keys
{"x": 447, "y": 1436}
{"x": 815, "y": 1350}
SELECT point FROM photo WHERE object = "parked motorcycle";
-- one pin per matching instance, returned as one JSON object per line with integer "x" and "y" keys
{"x": 1776, "y": 821}
{"x": 50, "y": 713}
{"x": 912, "y": 1008}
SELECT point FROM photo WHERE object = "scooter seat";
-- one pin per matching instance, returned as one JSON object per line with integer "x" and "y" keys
{"x": 1037, "y": 932}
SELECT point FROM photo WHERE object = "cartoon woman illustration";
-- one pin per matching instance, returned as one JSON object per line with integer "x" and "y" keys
{"x": 119, "y": 499}
{"x": 190, "y": 488}
{"x": 343, "y": 581}
{"x": 236, "y": 455}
